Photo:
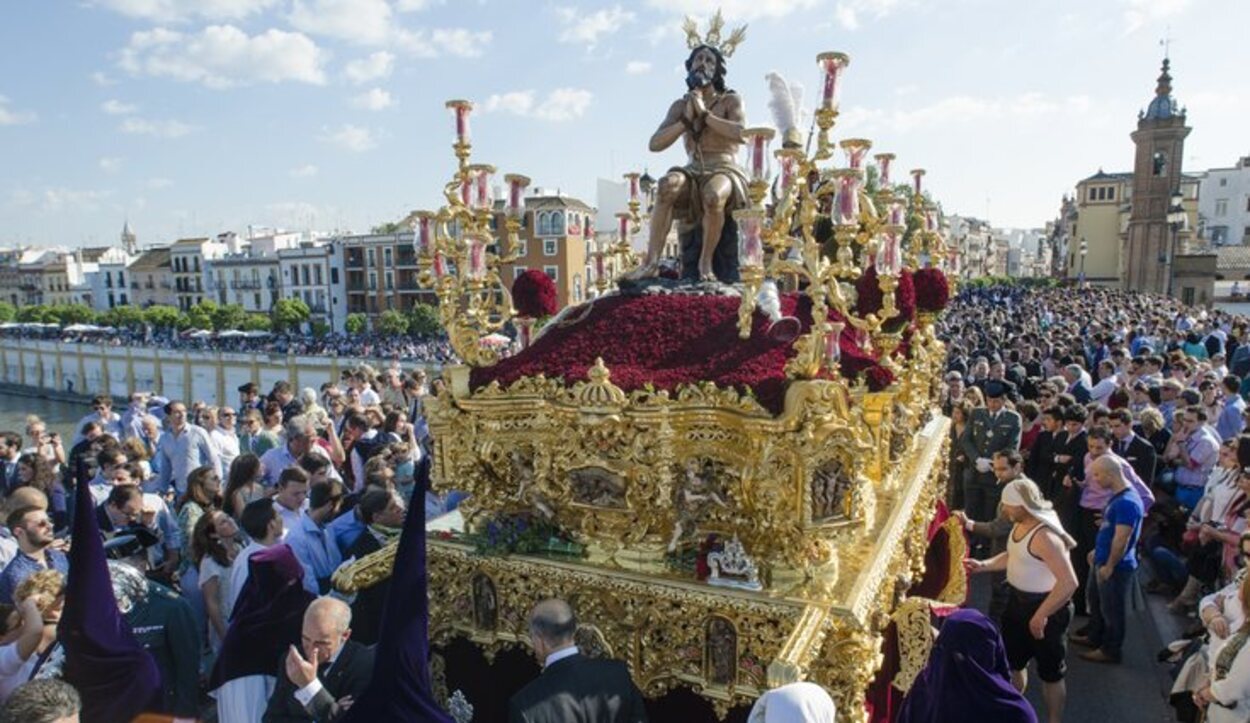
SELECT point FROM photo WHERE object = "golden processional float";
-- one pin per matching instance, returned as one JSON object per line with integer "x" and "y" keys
{"x": 731, "y": 480}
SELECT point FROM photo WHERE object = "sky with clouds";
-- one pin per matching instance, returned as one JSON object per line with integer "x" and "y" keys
{"x": 191, "y": 117}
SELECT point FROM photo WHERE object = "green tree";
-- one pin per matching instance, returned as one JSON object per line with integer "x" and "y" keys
{"x": 388, "y": 227}
{"x": 320, "y": 328}
{"x": 256, "y": 322}
{"x": 35, "y": 314}
{"x": 392, "y": 322}
{"x": 230, "y": 316}
{"x": 423, "y": 320}
{"x": 161, "y": 317}
{"x": 355, "y": 323}
{"x": 200, "y": 316}
{"x": 67, "y": 314}
{"x": 289, "y": 314}
{"x": 123, "y": 316}
{"x": 8, "y": 312}
{"x": 183, "y": 322}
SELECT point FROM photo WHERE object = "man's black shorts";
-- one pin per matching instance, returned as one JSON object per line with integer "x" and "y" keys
{"x": 1051, "y": 651}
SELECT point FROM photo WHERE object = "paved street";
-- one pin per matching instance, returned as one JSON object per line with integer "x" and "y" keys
{"x": 1136, "y": 690}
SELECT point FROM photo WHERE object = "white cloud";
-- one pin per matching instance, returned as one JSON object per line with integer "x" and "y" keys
{"x": 849, "y": 13}
{"x": 10, "y": 117}
{"x": 1138, "y": 13}
{"x": 221, "y": 56}
{"x": 375, "y": 67}
{"x": 116, "y": 107}
{"x": 561, "y": 104}
{"x": 157, "y": 184}
{"x": 965, "y": 110}
{"x": 585, "y": 30}
{"x": 60, "y": 199}
{"x": 110, "y": 164}
{"x": 156, "y": 128}
{"x": 373, "y": 99}
{"x": 735, "y": 10}
{"x": 410, "y": 6}
{"x": 173, "y": 11}
{"x": 461, "y": 42}
{"x": 307, "y": 170}
{"x": 102, "y": 79}
{"x": 365, "y": 22}
{"x": 351, "y": 138}
{"x": 637, "y": 67}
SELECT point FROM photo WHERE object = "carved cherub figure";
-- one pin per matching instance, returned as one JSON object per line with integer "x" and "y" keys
{"x": 695, "y": 496}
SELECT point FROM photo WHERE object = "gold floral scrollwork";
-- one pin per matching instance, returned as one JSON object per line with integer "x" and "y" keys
{"x": 956, "y": 589}
{"x": 915, "y": 635}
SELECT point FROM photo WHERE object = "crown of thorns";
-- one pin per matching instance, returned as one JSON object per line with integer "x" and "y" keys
{"x": 713, "y": 39}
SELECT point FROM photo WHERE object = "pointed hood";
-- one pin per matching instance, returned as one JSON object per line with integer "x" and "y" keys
{"x": 115, "y": 676}
{"x": 400, "y": 690}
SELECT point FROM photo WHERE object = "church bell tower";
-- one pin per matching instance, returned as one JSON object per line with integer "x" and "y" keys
{"x": 1160, "y": 142}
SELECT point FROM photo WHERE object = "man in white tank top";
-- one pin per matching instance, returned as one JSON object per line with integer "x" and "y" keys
{"x": 1041, "y": 581}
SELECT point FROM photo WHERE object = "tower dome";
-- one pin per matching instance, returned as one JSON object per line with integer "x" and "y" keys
{"x": 1163, "y": 106}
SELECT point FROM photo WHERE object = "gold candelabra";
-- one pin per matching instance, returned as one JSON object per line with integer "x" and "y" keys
{"x": 459, "y": 256}
{"x": 867, "y": 230}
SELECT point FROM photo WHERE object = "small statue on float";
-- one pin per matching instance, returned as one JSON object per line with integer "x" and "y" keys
{"x": 695, "y": 497}
{"x": 702, "y": 194}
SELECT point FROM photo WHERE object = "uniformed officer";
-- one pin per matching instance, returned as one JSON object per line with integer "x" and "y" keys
{"x": 165, "y": 626}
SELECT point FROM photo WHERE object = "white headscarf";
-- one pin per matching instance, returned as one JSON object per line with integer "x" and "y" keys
{"x": 793, "y": 703}
{"x": 1014, "y": 495}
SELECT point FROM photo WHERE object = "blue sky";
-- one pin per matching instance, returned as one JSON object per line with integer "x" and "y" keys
{"x": 191, "y": 117}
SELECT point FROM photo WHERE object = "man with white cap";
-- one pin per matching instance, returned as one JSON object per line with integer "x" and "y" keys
{"x": 1040, "y": 582}
{"x": 794, "y": 703}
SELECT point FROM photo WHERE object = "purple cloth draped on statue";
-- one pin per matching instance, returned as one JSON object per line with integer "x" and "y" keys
{"x": 115, "y": 676}
{"x": 400, "y": 691}
{"x": 267, "y": 619}
{"x": 966, "y": 678}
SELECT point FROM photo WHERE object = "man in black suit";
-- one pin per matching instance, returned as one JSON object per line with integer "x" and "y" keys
{"x": 572, "y": 687}
{"x": 1139, "y": 453}
{"x": 10, "y": 450}
{"x": 321, "y": 686}
{"x": 382, "y": 511}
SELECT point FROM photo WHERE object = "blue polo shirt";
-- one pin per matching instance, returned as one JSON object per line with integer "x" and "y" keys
{"x": 1124, "y": 508}
{"x": 23, "y": 566}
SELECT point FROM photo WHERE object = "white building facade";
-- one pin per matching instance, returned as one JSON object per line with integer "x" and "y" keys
{"x": 1224, "y": 204}
{"x": 307, "y": 273}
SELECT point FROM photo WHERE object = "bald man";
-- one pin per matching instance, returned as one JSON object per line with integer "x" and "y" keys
{"x": 319, "y": 680}
{"x": 572, "y": 687}
{"x": 1112, "y": 564}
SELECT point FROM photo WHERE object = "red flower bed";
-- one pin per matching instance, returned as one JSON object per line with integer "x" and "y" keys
{"x": 668, "y": 340}
{"x": 933, "y": 291}
{"x": 869, "y": 298}
{"x": 534, "y": 295}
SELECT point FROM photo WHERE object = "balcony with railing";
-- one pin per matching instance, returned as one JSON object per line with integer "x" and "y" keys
{"x": 355, "y": 260}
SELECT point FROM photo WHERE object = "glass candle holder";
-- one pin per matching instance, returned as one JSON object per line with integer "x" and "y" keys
{"x": 439, "y": 265}
{"x": 884, "y": 161}
{"x": 788, "y": 162}
{"x": 896, "y": 214}
{"x": 847, "y": 201}
{"x": 756, "y": 141}
{"x": 833, "y": 342}
{"x": 632, "y": 180}
{"x": 916, "y": 175}
{"x": 423, "y": 233}
{"x": 856, "y": 149}
{"x": 476, "y": 269}
{"x": 622, "y": 226}
{"x": 833, "y": 65}
{"x": 750, "y": 237}
{"x": 517, "y": 184}
{"x": 461, "y": 110}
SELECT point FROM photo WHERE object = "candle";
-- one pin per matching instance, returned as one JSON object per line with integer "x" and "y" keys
{"x": 896, "y": 214}
{"x": 483, "y": 190}
{"x": 423, "y": 233}
{"x": 600, "y": 272}
{"x": 460, "y": 110}
{"x": 848, "y": 198}
{"x": 757, "y": 158}
{"x": 788, "y": 164}
{"x": 633, "y": 186}
{"x": 916, "y": 175}
{"x": 477, "y": 257}
{"x": 884, "y": 160}
{"x": 622, "y": 221}
{"x": 466, "y": 191}
{"x": 856, "y": 149}
{"x": 891, "y": 253}
{"x": 832, "y": 64}
{"x": 930, "y": 220}
{"x": 439, "y": 265}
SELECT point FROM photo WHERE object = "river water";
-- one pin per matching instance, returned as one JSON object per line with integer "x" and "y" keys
{"x": 60, "y": 416}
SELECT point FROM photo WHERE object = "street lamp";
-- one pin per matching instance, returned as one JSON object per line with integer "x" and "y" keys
{"x": 1084, "y": 250}
{"x": 1176, "y": 219}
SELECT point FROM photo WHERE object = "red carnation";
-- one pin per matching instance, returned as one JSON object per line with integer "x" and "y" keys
{"x": 868, "y": 298}
{"x": 879, "y": 378}
{"x": 933, "y": 291}
{"x": 534, "y": 295}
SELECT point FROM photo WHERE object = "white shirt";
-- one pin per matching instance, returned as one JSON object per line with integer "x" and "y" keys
{"x": 559, "y": 655}
{"x": 290, "y": 518}
{"x": 239, "y": 571}
{"x": 369, "y": 398}
{"x": 227, "y": 444}
{"x": 305, "y": 695}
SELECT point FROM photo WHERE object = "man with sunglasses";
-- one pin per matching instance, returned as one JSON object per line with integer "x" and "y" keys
{"x": 32, "y": 529}
{"x": 110, "y": 422}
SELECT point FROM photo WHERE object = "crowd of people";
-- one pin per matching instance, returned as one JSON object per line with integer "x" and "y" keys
{"x": 365, "y": 345}
{"x": 1094, "y": 432}
{"x": 223, "y": 525}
